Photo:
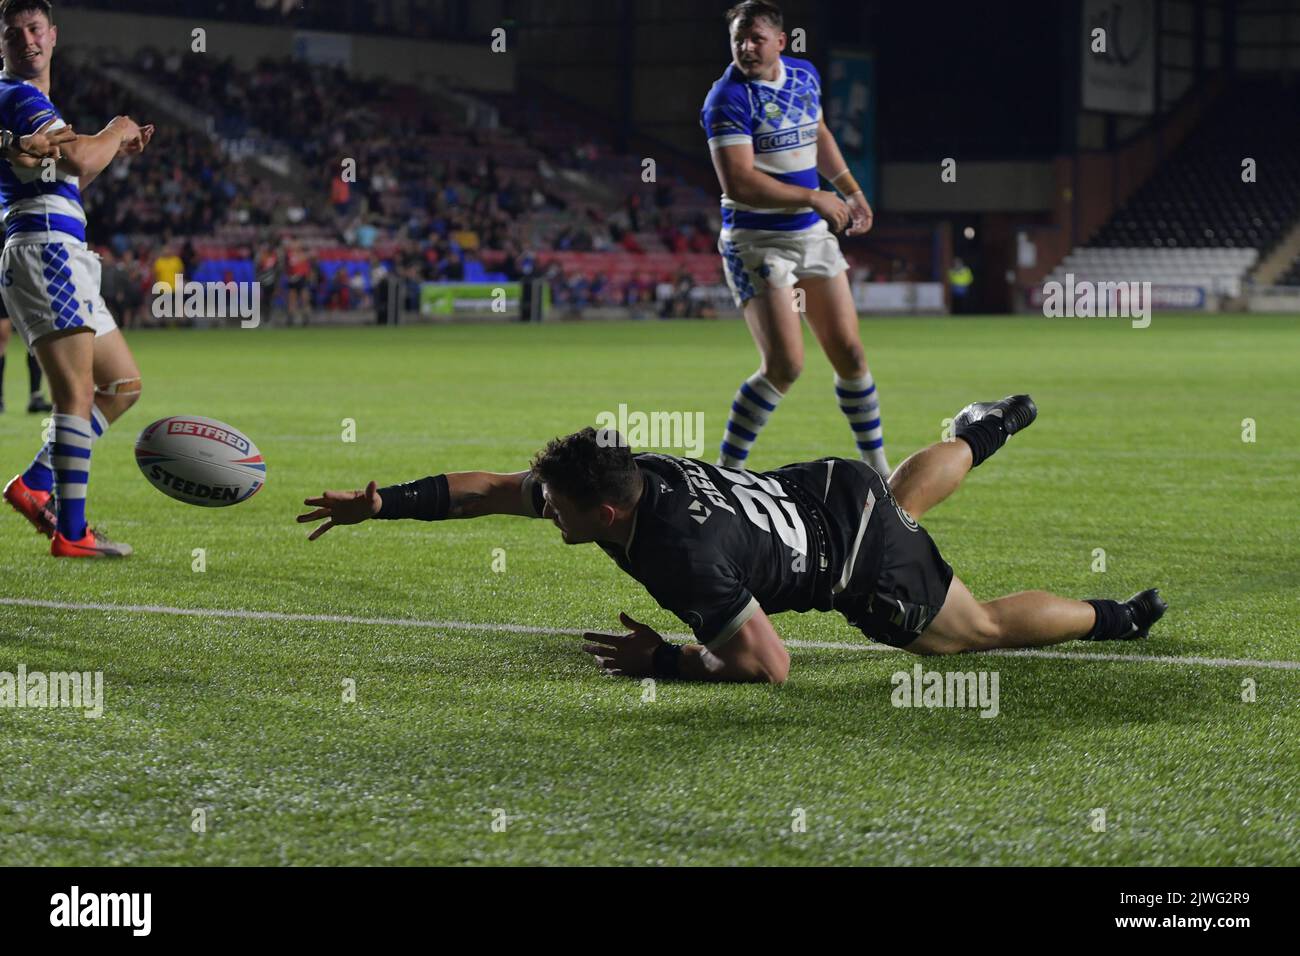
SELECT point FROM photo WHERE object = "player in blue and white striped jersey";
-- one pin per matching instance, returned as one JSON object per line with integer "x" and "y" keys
{"x": 50, "y": 282}
{"x": 28, "y": 151}
{"x": 768, "y": 140}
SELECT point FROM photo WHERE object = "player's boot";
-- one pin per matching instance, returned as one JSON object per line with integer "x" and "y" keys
{"x": 31, "y": 504}
{"x": 38, "y": 403}
{"x": 93, "y": 544}
{"x": 1145, "y": 608}
{"x": 1016, "y": 411}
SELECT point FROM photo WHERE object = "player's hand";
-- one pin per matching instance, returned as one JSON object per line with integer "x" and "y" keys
{"x": 862, "y": 216}
{"x": 135, "y": 147}
{"x": 342, "y": 507}
{"x": 126, "y": 129}
{"x": 625, "y": 655}
{"x": 831, "y": 208}
{"x": 29, "y": 151}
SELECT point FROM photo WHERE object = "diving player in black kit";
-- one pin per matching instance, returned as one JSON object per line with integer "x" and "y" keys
{"x": 723, "y": 549}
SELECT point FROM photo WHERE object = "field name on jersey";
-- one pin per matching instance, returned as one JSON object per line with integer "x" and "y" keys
{"x": 684, "y": 430}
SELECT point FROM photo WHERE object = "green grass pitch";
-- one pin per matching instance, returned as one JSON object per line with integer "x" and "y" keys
{"x": 1138, "y": 450}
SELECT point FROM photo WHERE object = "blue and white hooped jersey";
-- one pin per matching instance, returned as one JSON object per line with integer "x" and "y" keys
{"x": 780, "y": 119}
{"x": 36, "y": 210}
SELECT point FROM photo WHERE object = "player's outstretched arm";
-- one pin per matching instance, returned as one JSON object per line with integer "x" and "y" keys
{"x": 88, "y": 156}
{"x": 754, "y": 653}
{"x": 465, "y": 494}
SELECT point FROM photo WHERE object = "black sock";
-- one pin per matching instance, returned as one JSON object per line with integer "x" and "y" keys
{"x": 34, "y": 372}
{"x": 1113, "y": 621}
{"x": 984, "y": 437}
{"x": 2, "y": 378}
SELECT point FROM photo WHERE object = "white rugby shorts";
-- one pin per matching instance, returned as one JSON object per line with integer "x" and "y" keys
{"x": 52, "y": 286}
{"x": 756, "y": 260}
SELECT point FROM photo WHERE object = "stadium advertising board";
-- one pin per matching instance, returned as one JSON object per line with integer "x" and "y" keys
{"x": 1121, "y": 78}
{"x": 474, "y": 298}
{"x": 851, "y": 114}
{"x": 1185, "y": 298}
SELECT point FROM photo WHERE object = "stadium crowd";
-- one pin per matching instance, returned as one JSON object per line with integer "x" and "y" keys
{"x": 367, "y": 205}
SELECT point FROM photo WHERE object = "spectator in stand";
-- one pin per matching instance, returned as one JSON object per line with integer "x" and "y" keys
{"x": 411, "y": 278}
{"x": 451, "y": 269}
{"x": 340, "y": 194}
{"x": 139, "y": 267}
{"x": 527, "y": 263}
{"x": 682, "y": 306}
{"x": 357, "y": 297}
{"x": 189, "y": 259}
{"x": 632, "y": 291}
{"x": 579, "y": 289}
{"x": 167, "y": 267}
{"x": 510, "y": 263}
{"x": 338, "y": 294}
{"x": 115, "y": 283}
{"x": 664, "y": 296}
{"x": 322, "y": 286}
{"x": 380, "y": 283}
{"x": 471, "y": 263}
{"x": 556, "y": 279}
{"x": 269, "y": 270}
{"x": 126, "y": 269}
{"x": 298, "y": 268}
{"x": 663, "y": 194}
{"x": 366, "y": 235}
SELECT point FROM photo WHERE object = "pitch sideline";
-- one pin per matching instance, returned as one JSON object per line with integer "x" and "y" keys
{"x": 532, "y": 629}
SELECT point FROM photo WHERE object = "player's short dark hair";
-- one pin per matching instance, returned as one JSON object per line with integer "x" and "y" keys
{"x": 752, "y": 10}
{"x": 10, "y": 7}
{"x": 591, "y": 467}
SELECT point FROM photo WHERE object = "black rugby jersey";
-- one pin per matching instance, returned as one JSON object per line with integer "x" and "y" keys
{"x": 712, "y": 544}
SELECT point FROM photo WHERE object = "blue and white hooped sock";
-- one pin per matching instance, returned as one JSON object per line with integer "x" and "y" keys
{"x": 39, "y": 475}
{"x": 752, "y": 407}
{"x": 860, "y": 404}
{"x": 70, "y": 455}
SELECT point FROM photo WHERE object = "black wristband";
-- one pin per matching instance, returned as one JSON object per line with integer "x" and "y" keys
{"x": 425, "y": 500}
{"x": 667, "y": 659}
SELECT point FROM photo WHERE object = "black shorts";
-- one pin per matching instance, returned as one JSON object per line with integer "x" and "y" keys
{"x": 899, "y": 581}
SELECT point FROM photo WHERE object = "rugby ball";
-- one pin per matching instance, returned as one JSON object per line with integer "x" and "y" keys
{"x": 200, "y": 461}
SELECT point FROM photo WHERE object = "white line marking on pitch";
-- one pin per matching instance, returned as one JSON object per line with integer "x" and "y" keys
{"x": 533, "y": 629}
